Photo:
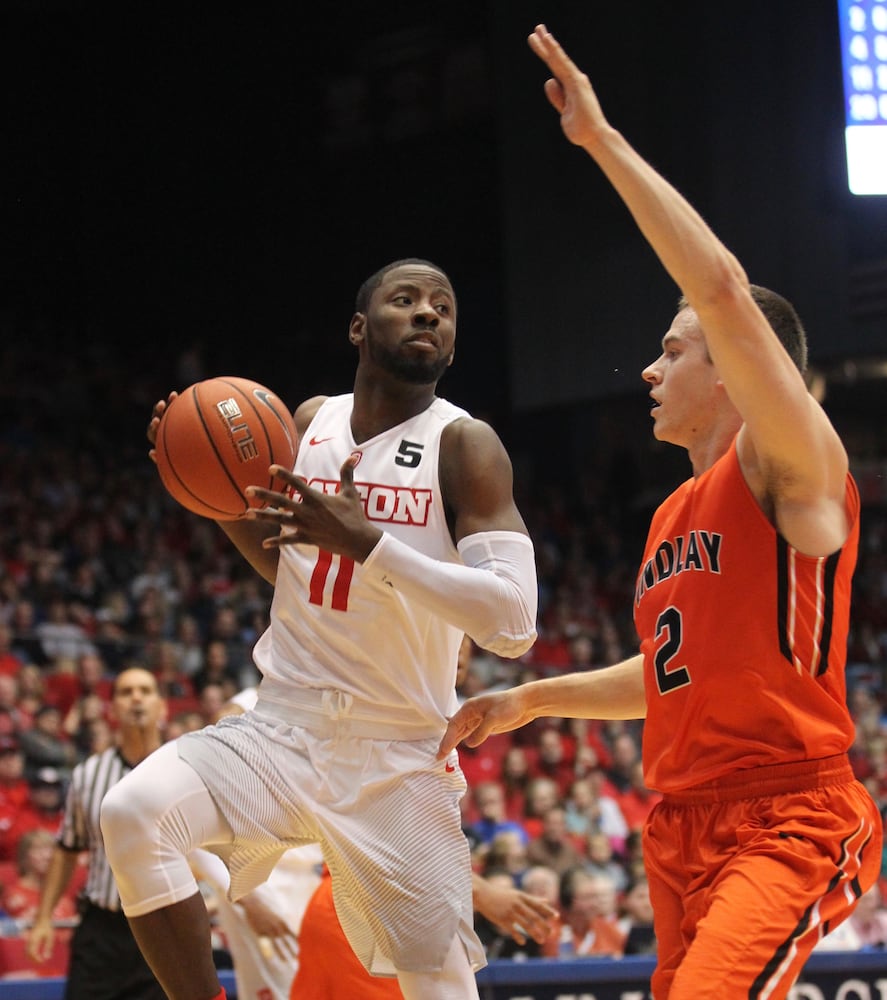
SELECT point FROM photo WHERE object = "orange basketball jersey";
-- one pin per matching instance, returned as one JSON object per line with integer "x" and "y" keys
{"x": 744, "y": 638}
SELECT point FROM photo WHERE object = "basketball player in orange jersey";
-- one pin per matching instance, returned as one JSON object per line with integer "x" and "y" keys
{"x": 763, "y": 840}
{"x": 398, "y": 536}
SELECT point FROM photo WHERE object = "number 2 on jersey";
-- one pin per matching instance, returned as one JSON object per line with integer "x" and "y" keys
{"x": 669, "y": 678}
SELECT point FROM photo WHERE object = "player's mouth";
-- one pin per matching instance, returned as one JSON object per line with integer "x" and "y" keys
{"x": 423, "y": 342}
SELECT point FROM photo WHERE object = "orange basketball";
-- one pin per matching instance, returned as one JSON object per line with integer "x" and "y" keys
{"x": 218, "y": 437}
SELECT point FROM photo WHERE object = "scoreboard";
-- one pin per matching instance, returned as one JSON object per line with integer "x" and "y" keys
{"x": 863, "y": 32}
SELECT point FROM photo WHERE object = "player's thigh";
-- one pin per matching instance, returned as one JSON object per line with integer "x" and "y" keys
{"x": 757, "y": 923}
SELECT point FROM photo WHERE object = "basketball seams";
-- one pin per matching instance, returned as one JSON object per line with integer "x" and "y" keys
{"x": 166, "y": 460}
{"x": 259, "y": 416}
{"x": 211, "y": 438}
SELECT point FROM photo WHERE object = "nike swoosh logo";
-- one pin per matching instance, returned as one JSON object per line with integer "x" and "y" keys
{"x": 315, "y": 440}
{"x": 449, "y": 768}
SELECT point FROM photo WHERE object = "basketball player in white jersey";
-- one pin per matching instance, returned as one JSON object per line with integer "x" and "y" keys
{"x": 398, "y": 536}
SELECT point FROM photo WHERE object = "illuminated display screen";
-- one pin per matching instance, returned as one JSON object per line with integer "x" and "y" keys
{"x": 864, "y": 62}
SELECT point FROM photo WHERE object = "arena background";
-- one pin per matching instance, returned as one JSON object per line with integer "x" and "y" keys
{"x": 199, "y": 188}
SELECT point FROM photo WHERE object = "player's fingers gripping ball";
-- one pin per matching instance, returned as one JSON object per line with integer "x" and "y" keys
{"x": 220, "y": 436}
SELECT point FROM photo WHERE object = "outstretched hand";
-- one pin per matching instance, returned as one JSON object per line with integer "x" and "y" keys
{"x": 569, "y": 91}
{"x": 334, "y": 522}
{"x": 480, "y": 717}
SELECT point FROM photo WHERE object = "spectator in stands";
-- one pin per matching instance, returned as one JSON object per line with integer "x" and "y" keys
{"x": 636, "y": 918}
{"x": 555, "y": 758}
{"x": 46, "y": 744}
{"x": 79, "y": 720}
{"x": 543, "y": 793}
{"x": 217, "y": 669}
{"x": 10, "y": 661}
{"x": 601, "y": 860}
{"x": 225, "y": 628}
{"x": 544, "y": 883}
{"x": 21, "y": 897}
{"x": 43, "y": 808}
{"x": 489, "y": 801}
{"x": 588, "y": 915}
{"x": 626, "y": 752}
{"x": 174, "y": 683}
{"x": 506, "y": 852}
{"x": 554, "y": 846}
{"x": 514, "y": 778}
{"x": 189, "y": 645}
{"x": 12, "y": 719}
{"x": 588, "y": 811}
{"x": 31, "y": 694}
{"x": 60, "y": 637}
{"x": 591, "y": 747}
{"x": 14, "y": 793}
{"x": 26, "y": 642}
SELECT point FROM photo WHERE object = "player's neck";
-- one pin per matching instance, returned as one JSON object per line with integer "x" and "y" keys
{"x": 135, "y": 747}
{"x": 379, "y": 407}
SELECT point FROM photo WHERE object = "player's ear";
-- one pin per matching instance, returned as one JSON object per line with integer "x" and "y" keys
{"x": 357, "y": 328}
{"x": 451, "y": 357}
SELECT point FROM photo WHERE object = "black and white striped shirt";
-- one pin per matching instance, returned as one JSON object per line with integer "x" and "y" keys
{"x": 80, "y": 829}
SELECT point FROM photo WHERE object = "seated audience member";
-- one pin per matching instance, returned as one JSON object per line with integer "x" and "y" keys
{"x": 12, "y": 719}
{"x": 45, "y": 744}
{"x": 43, "y": 808}
{"x": 544, "y": 883}
{"x": 625, "y": 753}
{"x": 21, "y": 897}
{"x": 489, "y": 804}
{"x": 506, "y": 852}
{"x": 588, "y": 916}
{"x": 589, "y": 811}
{"x": 10, "y": 662}
{"x": 542, "y": 794}
{"x": 555, "y": 759}
{"x": 554, "y": 846}
{"x": 13, "y": 786}
{"x": 514, "y": 778}
{"x": 601, "y": 860}
{"x": 636, "y": 918}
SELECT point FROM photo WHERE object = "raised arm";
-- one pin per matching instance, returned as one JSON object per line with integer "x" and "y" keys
{"x": 790, "y": 453}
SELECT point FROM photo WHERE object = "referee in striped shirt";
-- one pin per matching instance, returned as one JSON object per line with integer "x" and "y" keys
{"x": 105, "y": 962}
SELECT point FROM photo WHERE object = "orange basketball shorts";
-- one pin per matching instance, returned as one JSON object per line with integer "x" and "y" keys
{"x": 748, "y": 873}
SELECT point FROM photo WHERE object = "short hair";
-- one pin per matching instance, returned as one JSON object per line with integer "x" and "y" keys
{"x": 365, "y": 292}
{"x": 783, "y": 320}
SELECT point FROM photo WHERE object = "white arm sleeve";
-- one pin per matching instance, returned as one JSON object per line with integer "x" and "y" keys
{"x": 493, "y": 596}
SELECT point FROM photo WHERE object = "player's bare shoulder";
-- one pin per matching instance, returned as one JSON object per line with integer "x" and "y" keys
{"x": 471, "y": 445}
{"x": 305, "y": 412}
{"x": 476, "y": 477}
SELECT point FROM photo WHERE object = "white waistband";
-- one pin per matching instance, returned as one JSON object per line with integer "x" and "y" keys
{"x": 324, "y": 709}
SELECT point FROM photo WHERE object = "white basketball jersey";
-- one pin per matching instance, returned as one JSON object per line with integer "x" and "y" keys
{"x": 332, "y": 625}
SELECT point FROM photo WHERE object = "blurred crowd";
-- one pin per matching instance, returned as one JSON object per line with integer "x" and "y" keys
{"x": 99, "y": 569}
